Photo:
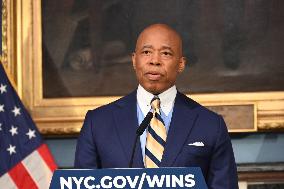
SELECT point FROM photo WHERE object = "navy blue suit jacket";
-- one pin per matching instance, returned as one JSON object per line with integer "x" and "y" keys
{"x": 108, "y": 134}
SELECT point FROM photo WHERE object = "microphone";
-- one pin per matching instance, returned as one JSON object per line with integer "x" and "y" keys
{"x": 140, "y": 130}
{"x": 144, "y": 124}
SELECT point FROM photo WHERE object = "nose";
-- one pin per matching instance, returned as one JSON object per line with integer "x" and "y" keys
{"x": 155, "y": 59}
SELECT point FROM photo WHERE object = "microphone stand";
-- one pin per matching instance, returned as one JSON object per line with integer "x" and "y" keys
{"x": 139, "y": 132}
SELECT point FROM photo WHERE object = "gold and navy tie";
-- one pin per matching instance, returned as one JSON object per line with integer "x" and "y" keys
{"x": 156, "y": 137}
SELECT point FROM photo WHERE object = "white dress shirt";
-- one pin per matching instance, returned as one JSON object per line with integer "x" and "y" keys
{"x": 167, "y": 99}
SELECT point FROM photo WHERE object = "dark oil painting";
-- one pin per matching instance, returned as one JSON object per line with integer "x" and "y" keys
{"x": 230, "y": 45}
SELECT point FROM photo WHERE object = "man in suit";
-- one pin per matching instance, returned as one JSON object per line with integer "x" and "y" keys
{"x": 192, "y": 135}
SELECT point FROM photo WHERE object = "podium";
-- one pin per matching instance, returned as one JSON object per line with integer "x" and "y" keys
{"x": 190, "y": 177}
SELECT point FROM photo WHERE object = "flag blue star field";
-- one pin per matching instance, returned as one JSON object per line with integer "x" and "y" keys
{"x": 25, "y": 161}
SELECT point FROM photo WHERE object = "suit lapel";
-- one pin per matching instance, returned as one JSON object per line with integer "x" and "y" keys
{"x": 126, "y": 124}
{"x": 183, "y": 119}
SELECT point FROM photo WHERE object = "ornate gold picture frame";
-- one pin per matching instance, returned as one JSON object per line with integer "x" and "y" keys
{"x": 23, "y": 27}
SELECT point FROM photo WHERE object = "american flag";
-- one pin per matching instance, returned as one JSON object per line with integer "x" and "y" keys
{"x": 25, "y": 161}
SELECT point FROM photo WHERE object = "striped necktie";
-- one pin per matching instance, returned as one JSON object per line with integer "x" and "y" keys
{"x": 156, "y": 137}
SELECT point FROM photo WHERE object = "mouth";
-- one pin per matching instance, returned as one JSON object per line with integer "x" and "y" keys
{"x": 153, "y": 76}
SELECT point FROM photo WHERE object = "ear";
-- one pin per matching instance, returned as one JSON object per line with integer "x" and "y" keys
{"x": 182, "y": 63}
{"x": 133, "y": 57}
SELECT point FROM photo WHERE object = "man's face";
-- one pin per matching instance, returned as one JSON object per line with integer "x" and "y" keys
{"x": 158, "y": 59}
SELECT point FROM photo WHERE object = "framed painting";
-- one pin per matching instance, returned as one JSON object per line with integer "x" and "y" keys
{"x": 74, "y": 55}
{"x": 91, "y": 42}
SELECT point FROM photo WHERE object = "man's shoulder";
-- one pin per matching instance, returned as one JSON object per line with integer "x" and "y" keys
{"x": 195, "y": 106}
{"x": 205, "y": 118}
{"x": 130, "y": 98}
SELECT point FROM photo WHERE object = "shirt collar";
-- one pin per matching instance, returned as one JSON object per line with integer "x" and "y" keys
{"x": 167, "y": 99}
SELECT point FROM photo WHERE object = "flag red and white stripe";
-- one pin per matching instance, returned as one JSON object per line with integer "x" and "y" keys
{"x": 34, "y": 171}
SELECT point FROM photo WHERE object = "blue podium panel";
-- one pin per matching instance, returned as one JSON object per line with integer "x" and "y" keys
{"x": 129, "y": 178}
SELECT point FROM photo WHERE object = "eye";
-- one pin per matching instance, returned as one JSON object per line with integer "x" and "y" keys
{"x": 146, "y": 52}
{"x": 167, "y": 53}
